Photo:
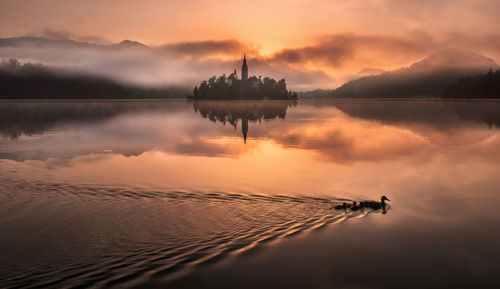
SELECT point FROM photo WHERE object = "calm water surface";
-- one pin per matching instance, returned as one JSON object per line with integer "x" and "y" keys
{"x": 209, "y": 194}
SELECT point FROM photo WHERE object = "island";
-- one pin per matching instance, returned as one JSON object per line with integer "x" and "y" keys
{"x": 235, "y": 88}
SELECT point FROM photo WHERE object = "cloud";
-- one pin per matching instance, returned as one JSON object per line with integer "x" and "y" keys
{"x": 327, "y": 62}
{"x": 370, "y": 71}
{"x": 342, "y": 131}
{"x": 339, "y": 50}
{"x": 174, "y": 64}
{"x": 342, "y": 56}
{"x": 230, "y": 47}
{"x": 66, "y": 35}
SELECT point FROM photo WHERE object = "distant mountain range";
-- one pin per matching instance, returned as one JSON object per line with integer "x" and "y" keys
{"x": 41, "y": 42}
{"x": 128, "y": 61}
{"x": 426, "y": 78}
{"x": 429, "y": 77}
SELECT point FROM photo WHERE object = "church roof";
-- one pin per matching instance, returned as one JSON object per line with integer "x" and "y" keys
{"x": 233, "y": 75}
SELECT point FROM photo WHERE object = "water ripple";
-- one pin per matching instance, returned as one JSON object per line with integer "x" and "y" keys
{"x": 193, "y": 229}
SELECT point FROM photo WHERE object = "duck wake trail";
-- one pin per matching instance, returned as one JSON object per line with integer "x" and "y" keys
{"x": 79, "y": 236}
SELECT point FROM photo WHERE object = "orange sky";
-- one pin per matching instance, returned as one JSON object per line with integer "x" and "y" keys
{"x": 382, "y": 34}
{"x": 271, "y": 24}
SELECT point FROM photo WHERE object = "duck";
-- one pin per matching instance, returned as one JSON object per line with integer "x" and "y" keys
{"x": 374, "y": 204}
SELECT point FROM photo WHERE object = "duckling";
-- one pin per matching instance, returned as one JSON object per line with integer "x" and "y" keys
{"x": 355, "y": 206}
{"x": 341, "y": 207}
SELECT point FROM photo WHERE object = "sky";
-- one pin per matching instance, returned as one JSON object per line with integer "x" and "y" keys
{"x": 315, "y": 43}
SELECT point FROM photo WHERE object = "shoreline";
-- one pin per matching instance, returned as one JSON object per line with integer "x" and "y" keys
{"x": 245, "y": 100}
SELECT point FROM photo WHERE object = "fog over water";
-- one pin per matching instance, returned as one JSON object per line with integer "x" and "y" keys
{"x": 169, "y": 193}
{"x": 325, "y": 63}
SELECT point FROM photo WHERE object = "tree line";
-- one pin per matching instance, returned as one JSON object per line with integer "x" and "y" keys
{"x": 252, "y": 88}
{"x": 479, "y": 86}
{"x": 36, "y": 81}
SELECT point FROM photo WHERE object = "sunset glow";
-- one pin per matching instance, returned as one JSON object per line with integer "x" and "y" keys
{"x": 324, "y": 43}
{"x": 267, "y": 144}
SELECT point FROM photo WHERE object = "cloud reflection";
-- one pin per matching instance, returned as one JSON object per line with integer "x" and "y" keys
{"x": 336, "y": 131}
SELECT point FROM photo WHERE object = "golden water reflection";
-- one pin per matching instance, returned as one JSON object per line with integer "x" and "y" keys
{"x": 339, "y": 148}
{"x": 122, "y": 186}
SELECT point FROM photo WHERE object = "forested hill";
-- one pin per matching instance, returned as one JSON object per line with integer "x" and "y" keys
{"x": 426, "y": 78}
{"x": 35, "y": 81}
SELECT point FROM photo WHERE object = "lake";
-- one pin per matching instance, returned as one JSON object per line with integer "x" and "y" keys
{"x": 220, "y": 194}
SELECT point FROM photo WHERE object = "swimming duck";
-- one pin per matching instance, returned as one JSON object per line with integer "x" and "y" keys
{"x": 376, "y": 205}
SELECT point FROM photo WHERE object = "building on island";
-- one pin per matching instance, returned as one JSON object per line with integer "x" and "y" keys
{"x": 244, "y": 68}
{"x": 246, "y": 87}
{"x": 244, "y": 72}
{"x": 232, "y": 77}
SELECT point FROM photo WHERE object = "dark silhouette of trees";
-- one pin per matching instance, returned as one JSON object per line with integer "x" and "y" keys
{"x": 426, "y": 78}
{"x": 447, "y": 84}
{"x": 479, "y": 86}
{"x": 35, "y": 81}
{"x": 251, "y": 88}
{"x": 242, "y": 112}
{"x": 37, "y": 117}
{"x": 396, "y": 85}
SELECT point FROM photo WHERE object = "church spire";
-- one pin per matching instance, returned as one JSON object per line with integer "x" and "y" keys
{"x": 244, "y": 128}
{"x": 244, "y": 68}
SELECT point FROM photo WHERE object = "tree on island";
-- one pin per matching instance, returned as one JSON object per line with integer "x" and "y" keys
{"x": 233, "y": 88}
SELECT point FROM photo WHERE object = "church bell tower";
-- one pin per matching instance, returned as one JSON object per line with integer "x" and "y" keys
{"x": 244, "y": 68}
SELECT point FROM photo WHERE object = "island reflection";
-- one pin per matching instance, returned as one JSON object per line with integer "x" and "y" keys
{"x": 340, "y": 131}
{"x": 243, "y": 111}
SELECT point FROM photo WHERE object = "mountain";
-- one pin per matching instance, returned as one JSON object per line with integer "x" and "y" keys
{"x": 41, "y": 42}
{"x": 426, "y": 78}
{"x": 453, "y": 59}
{"x": 129, "y": 44}
{"x": 127, "y": 61}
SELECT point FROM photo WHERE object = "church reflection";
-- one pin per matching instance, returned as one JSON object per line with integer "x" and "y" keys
{"x": 244, "y": 112}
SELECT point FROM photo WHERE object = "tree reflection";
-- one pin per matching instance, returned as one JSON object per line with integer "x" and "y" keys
{"x": 37, "y": 117}
{"x": 244, "y": 112}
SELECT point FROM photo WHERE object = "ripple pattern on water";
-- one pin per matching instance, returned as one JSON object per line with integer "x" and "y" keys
{"x": 100, "y": 237}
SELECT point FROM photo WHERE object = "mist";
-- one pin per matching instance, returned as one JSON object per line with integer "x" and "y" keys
{"x": 181, "y": 64}
{"x": 327, "y": 62}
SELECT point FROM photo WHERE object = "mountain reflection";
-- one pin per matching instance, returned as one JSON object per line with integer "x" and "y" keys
{"x": 339, "y": 131}
{"x": 37, "y": 117}
{"x": 233, "y": 112}
{"x": 440, "y": 114}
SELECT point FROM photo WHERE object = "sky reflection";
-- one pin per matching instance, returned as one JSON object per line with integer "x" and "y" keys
{"x": 437, "y": 161}
{"x": 340, "y": 148}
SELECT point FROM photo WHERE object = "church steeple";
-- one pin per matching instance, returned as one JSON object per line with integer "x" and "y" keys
{"x": 244, "y": 128}
{"x": 244, "y": 68}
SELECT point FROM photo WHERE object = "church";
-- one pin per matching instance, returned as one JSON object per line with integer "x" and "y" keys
{"x": 244, "y": 72}
{"x": 246, "y": 87}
